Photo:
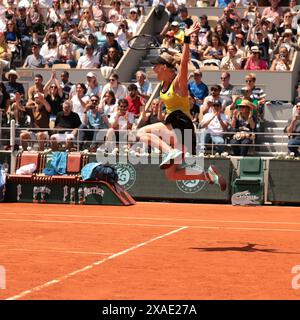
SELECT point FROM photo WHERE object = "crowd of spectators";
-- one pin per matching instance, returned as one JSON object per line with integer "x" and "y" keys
{"x": 85, "y": 35}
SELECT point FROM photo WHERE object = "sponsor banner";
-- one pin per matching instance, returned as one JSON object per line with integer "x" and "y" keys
{"x": 244, "y": 198}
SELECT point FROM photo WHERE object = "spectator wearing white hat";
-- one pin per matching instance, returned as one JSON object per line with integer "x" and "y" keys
{"x": 178, "y": 33}
{"x": 92, "y": 85}
{"x": 12, "y": 86}
{"x": 134, "y": 20}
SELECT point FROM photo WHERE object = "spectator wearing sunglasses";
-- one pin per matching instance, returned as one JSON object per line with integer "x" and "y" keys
{"x": 93, "y": 118}
{"x": 116, "y": 86}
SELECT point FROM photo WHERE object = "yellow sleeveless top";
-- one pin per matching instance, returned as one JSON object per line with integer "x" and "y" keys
{"x": 174, "y": 102}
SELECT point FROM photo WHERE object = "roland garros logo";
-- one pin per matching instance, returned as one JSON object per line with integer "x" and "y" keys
{"x": 191, "y": 186}
{"x": 126, "y": 174}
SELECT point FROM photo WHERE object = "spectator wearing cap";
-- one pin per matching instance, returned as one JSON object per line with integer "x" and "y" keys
{"x": 243, "y": 122}
{"x": 178, "y": 34}
{"x": 215, "y": 124}
{"x": 12, "y": 86}
{"x": 23, "y": 25}
{"x": 92, "y": 85}
{"x": 230, "y": 61}
{"x": 113, "y": 24}
{"x": 88, "y": 60}
{"x": 293, "y": 130}
{"x": 198, "y": 90}
{"x": 98, "y": 11}
{"x": 38, "y": 87}
{"x": 39, "y": 111}
{"x": 134, "y": 20}
{"x": 110, "y": 43}
{"x": 144, "y": 86}
{"x": 288, "y": 41}
{"x": 34, "y": 60}
{"x": 254, "y": 62}
{"x": 274, "y": 12}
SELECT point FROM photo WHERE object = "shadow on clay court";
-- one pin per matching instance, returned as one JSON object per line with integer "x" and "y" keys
{"x": 250, "y": 247}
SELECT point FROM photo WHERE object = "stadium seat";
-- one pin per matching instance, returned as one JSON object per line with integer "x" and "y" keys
{"x": 61, "y": 66}
{"x": 251, "y": 177}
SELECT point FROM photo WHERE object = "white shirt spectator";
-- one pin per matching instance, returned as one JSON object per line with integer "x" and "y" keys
{"x": 77, "y": 107}
{"x": 214, "y": 127}
{"x": 120, "y": 91}
{"x": 85, "y": 62}
{"x": 47, "y": 53}
{"x": 45, "y": 3}
{"x": 122, "y": 119}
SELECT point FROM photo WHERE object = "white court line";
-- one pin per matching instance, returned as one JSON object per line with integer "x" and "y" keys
{"x": 151, "y": 218}
{"x": 92, "y": 265}
{"x": 59, "y": 251}
{"x": 99, "y": 223}
{"x": 151, "y": 225}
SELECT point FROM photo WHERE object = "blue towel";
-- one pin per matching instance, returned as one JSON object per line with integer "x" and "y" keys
{"x": 58, "y": 164}
{"x": 87, "y": 170}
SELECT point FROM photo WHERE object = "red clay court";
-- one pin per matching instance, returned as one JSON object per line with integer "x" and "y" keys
{"x": 149, "y": 251}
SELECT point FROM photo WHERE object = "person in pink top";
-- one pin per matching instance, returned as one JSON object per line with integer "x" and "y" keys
{"x": 254, "y": 62}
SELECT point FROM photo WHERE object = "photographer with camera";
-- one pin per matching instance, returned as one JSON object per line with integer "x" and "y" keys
{"x": 281, "y": 62}
{"x": 292, "y": 129}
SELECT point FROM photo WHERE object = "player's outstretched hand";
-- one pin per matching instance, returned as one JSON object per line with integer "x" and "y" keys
{"x": 194, "y": 28}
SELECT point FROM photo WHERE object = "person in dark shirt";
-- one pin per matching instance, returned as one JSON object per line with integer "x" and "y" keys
{"x": 65, "y": 84}
{"x": 185, "y": 20}
{"x": 110, "y": 43}
{"x": 54, "y": 94}
{"x": 69, "y": 120}
{"x": 23, "y": 25}
{"x": 12, "y": 86}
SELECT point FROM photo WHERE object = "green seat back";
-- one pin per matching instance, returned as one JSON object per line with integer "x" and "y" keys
{"x": 251, "y": 168}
